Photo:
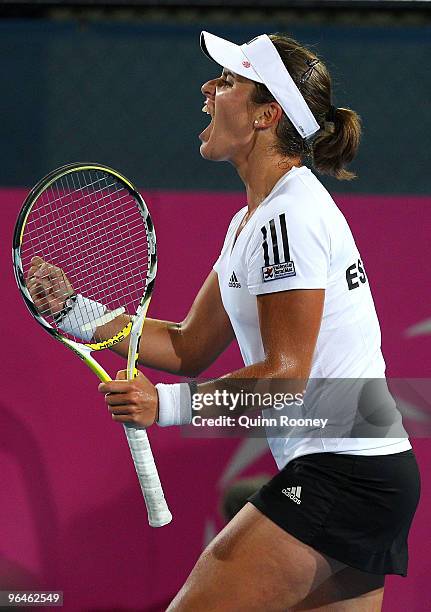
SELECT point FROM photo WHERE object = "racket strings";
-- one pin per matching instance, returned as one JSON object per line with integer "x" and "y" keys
{"x": 92, "y": 229}
{"x": 48, "y": 216}
{"x": 78, "y": 235}
{"x": 95, "y": 266}
{"x": 59, "y": 200}
{"x": 133, "y": 235}
{"x": 83, "y": 240}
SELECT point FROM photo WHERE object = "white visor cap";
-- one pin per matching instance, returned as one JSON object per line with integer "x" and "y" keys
{"x": 259, "y": 61}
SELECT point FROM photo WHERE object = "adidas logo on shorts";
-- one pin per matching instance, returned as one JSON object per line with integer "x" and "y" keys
{"x": 233, "y": 282}
{"x": 294, "y": 493}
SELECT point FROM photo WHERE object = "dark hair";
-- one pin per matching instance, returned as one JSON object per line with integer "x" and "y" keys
{"x": 336, "y": 144}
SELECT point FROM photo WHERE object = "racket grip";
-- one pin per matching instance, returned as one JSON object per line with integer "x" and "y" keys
{"x": 157, "y": 508}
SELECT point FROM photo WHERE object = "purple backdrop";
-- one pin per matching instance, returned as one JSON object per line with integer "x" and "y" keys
{"x": 72, "y": 514}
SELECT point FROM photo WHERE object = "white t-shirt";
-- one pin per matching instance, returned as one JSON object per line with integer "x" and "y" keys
{"x": 299, "y": 239}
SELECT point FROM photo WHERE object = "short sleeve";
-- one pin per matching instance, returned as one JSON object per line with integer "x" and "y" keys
{"x": 233, "y": 226}
{"x": 216, "y": 266}
{"x": 288, "y": 250}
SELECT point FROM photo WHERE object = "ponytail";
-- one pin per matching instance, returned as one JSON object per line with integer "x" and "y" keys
{"x": 336, "y": 145}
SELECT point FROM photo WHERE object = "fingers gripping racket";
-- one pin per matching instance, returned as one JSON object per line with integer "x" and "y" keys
{"x": 84, "y": 250}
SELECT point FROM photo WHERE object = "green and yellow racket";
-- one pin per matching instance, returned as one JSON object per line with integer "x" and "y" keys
{"x": 94, "y": 239}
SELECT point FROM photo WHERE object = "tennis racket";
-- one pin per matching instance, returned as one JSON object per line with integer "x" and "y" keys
{"x": 95, "y": 248}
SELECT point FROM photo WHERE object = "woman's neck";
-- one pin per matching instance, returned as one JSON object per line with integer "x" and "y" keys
{"x": 261, "y": 173}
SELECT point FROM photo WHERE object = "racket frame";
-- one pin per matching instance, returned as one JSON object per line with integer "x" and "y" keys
{"x": 158, "y": 511}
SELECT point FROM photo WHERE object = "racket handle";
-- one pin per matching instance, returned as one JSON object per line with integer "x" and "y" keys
{"x": 157, "y": 508}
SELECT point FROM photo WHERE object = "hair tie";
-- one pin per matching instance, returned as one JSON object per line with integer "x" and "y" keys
{"x": 330, "y": 115}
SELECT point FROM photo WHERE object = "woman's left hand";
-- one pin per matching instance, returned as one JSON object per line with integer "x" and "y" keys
{"x": 133, "y": 402}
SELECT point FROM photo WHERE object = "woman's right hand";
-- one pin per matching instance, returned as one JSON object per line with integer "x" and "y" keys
{"x": 49, "y": 286}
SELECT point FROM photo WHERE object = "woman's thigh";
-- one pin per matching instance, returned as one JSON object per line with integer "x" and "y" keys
{"x": 253, "y": 565}
{"x": 349, "y": 590}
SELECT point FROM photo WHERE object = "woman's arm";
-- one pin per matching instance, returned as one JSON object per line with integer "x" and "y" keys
{"x": 185, "y": 348}
{"x": 289, "y": 323}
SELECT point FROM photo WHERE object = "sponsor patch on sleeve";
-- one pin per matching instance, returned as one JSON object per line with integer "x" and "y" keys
{"x": 276, "y": 271}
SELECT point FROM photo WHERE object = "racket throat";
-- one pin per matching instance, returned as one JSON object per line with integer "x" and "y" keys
{"x": 84, "y": 352}
{"x": 134, "y": 338}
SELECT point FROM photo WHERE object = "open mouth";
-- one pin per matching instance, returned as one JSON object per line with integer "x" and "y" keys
{"x": 206, "y": 133}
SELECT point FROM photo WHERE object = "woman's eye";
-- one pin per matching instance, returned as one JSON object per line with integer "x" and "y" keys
{"x": 225, "y": 83}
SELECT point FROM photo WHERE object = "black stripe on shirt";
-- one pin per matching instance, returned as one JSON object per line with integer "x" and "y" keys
{"x": 274, "y": 242}
{"x": 284, "y": 237}
{"x": 265, "y": 246}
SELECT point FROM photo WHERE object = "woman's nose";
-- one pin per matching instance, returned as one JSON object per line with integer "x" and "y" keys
{"x": 208, "y": 88}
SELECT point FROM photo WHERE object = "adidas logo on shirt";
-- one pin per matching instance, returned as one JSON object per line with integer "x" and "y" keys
{"x": 233, "y": 282}
{"x": 294, "y": 493}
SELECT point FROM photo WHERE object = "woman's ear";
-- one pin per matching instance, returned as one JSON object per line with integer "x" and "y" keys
{"x": 271, "y": 115}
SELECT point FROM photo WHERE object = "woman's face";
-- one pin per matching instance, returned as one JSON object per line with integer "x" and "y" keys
{"x": 230, "y": 134}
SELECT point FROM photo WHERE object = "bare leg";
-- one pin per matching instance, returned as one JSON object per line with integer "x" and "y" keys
{"x": 349, "y": 590}
{"x": 251, "y": 566}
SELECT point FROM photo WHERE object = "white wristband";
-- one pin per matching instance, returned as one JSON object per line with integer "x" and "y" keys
{"x": 175, "y": 404}
{"x": 83, "y": 318}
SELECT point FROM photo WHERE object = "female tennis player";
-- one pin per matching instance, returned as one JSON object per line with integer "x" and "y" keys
{"x": 291, "y": 287}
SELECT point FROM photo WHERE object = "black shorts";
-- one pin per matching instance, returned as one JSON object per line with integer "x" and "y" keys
{"x": 356, "y": 509}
